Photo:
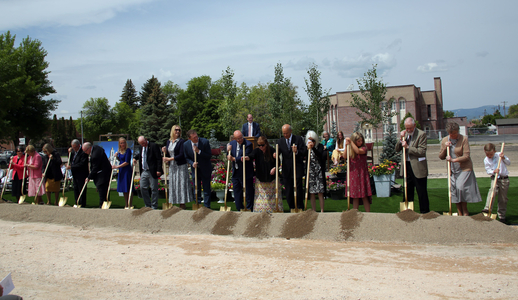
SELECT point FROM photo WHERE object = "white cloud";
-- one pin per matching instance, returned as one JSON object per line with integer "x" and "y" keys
{"x": 26, "y": 13}
{"x": 439, "y": 66}
{"x": 301, "y": 64}
{"x": 356, "y": 67}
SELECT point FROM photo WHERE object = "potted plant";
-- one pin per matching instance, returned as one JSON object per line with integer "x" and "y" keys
{"x": 384, "y": 175}
{"x": 340, "y": 171}
{"x": 336, "y": 189}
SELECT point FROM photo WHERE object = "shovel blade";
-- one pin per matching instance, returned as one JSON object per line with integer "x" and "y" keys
{"x": 244, "y": 209}
{"x": 77, "y": 206}
{"x": 106, "y": 205}
{"x": 296, "y": 210}
{"x": 63, "y": 201}
{"x": 223, "y": 208}
{"x": 22, "y": 199}
{"x": 492, "y": 216}
{"x": 403, "y": 206}
{"x": 196, "y": 206}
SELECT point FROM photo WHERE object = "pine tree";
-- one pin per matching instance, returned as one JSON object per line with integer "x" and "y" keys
{"x": 130, "y": 96}
{"x": 389, "y": 146}
{"x": 61, "y": 139}
{"x": 54, "y": 129}
{"x": 71, "y": 130}
{"x": 157, "y": 117}
{"x": 147, "y": 89}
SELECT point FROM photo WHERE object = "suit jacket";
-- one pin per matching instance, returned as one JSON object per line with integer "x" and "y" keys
{"x": 54, "y": 168}
{"x": 100, "y": 167}
{"x": 238, "y": 173}
{"x": 417, "y": 153}
{"x": 179, "y": 155}
{"x": 79, "y": 165}
{"x": 205, "y": 166}
{"x": 153, "y": 159}
{"x": 256, "y": 130}
{"x": 287, "y": 156}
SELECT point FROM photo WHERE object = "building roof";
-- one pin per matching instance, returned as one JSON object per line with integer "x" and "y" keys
{"x": 507, "y": 121}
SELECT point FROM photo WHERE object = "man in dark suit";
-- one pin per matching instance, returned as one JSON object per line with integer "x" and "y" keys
{"x": 289, "y": 144}
{"x": 251, "y": 128}
{"x": 235, "y": 154}
{"x": 201, "y": 147}
{"x": 150, "y": 167}
{"x": 414, "y": 141}
{"x": 100, "y": 169}
{"x": 78, "y": 164}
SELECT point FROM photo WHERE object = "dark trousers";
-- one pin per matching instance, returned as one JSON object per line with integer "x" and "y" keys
{"x": 237, "y": 185}
{"x": 205, "y": 181}
{"x": 420, "y": 184}
{"x": 290, "y": 197}
{"x": 102, "y": 188}
{"x": 79, "y": 182}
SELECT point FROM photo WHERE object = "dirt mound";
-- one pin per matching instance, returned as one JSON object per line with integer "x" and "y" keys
{"x": 431, "y": 215}
{"x": 481, "y": 218}
{"x": 299, "y": 225}
{"x": 225, "y": 223}
{"x": 408, "y": 215}
{"x": 350, "y": 220}
{"x": 170, "y": 212}
{"x": 200, "y": 214}
{"x": 140, "y": 212}
{"x": 257, "y": 225}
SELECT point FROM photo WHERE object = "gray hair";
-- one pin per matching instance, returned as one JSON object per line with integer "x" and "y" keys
{"x": 313, "y": 135}
{"x": 76, "y": 142}
{"x": 452, "y": 126}
{"x": 410, "y": 121}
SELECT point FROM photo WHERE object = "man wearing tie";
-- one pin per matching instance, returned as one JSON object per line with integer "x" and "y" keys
{"x": 251, "y": 128}
{"x": 100, "y": 170}
{"x": 235, "y": 150}
{"x": 289, "y": 144}
{"x": 201, "y": 147}
{"x": 150, "y": 167}
{"x": 79, "y": 167}
{"x": 414, "y": 141}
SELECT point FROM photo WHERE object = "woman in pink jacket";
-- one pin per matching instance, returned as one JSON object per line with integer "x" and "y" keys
{"x": 34, "y": 165}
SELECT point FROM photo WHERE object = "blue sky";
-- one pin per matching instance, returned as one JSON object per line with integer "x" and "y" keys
{"x": 95, "y": 46}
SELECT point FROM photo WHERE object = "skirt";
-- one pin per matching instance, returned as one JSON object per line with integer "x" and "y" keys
{"x": 265, "y": 197}
{"x": 464, "y": 188}
{"x": 34, "y": 183}
{"x": 52, "y": 186}
{"x": 179, "y": 184}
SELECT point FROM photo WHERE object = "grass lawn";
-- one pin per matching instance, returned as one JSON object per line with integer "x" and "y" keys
{"x": 437, "y": 193}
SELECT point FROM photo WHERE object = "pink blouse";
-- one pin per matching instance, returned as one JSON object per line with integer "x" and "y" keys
{"x": 37, "y": 162}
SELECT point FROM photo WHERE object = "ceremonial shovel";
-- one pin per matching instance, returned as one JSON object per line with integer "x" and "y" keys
{"x": 128, "y": 205}
{"x": 307, "y": 182}
{"x": 107, "y": 203}
{"x": 39, "y": 186}
{"x": 77, "y": 201}
{"x": 296, "y": 209}
{"x": 166, "y": 204}
{"x": 6, "y": 178}
{"x": 348, "y": 153}
{"x": 196, "y": 205}
{"x": 276, "y": 209}
{"x": 405, "y": 205}
{"x": 22, "y": 197}
{"x": 225, "y": 208}
{"x": 449, "y": 185}
{"x": 63, "y": 199}
{"x": 244, "y": 179}
{"x": 490, "y": 209}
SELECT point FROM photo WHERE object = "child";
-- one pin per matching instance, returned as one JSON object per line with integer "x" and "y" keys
{"x": 360, "y": 186}
{"x": 502, "y": 184}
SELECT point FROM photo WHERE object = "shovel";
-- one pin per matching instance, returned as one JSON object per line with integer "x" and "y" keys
{"x": 348, "y": 153}
{"x": 244, "y": 179}
{"x": 63, "y": 199}
{"x": 296, "y": 209}
{"x": 107, "y": 203}
{"x": 6, "y": 178}
{"x": 226, "y": 208}
{"x": 196, "y": 205}
{"x": 276, "y": 209}
{"x": 405, "y": 205}
{"x": 22, "y": 197}
{"x": 166, "y": 204}
{"x": 39, "y": 186}
{"x": 307, "y": 182}
{"x": 490, "y": 209}
{"x": 77, "y": 201}
{"x": 128, "y": 205}
{"x": 449, "y": 185}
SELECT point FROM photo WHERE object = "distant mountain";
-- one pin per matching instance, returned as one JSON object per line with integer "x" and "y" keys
{"x": 476, "y": 113}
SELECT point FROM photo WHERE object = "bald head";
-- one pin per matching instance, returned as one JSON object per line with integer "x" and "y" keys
{"x": 286, "y": 131}
{"x": 87, "y": 148}
{"x": 238, "y": 136}
{"x": 142, "y": 141}
{"x": 409, "y": 125}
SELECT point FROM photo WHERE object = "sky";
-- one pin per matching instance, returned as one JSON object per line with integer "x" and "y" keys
{"x": 95, "y": 46}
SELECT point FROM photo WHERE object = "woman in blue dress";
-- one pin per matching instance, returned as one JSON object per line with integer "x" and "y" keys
{"x": 125, "y": 170}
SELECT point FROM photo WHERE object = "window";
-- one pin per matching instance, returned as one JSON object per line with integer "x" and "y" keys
{"x": 429, "y": 108}
{"x": 402, "y": 104}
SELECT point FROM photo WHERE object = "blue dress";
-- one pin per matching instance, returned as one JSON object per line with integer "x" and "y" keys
{"x": 124, "y": 177}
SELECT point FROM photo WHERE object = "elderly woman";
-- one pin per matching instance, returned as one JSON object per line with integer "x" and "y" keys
{"x": 17, "y": 164}
{"x": 53, "y": 175}
{"x": 124, "y": 185}
{"x": 34, "y": 165}
{"x": 338, "y": 153}
{"x": 179, "y": 184}
{"x": 317, "y": 176}
{"x": 264, "y": 156}
{"x": 464, "y": 188}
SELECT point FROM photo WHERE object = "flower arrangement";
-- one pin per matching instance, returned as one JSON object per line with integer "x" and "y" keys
{"x": 161, "y": 185}
{"x": 217, "y": 186}
{"x": 340, "y": 168}
{"x": 386, "y": 168}
{"x": 334, "y": 186}
{"x": 219, "y": 175}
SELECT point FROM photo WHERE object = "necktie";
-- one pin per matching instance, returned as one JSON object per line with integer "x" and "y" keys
{"x": 144, "y": 158}
{"x": 249, "y": 129}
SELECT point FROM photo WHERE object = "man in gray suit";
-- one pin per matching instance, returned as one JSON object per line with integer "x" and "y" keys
{"x": 414, "y": 141}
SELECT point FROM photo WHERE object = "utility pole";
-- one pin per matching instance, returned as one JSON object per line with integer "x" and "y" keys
{"x": 504, "y": 102}
{"x": 82, "y": 140}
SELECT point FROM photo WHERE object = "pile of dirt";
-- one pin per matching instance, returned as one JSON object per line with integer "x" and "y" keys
{"x": 299, "y": 225}
{"x": 430, "y": 215}
{"x": 350, "y": 220}
{"x": 140, "y": 212}
{"x": 225, "y": 224}
{"x": 257, "y": 225}
{"x": 200, "y": 214}
{"x": 408, "y": 215}
{"x": 481, "y": 218}
{"x": 170, "y": 212}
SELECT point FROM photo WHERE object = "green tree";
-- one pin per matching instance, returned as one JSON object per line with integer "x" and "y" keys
{"x": 371, "y": 106}
{"x": 448, "y": 114}
{"x": 147, "y": 89}
{"x": 129, "y": 95}
{"x": 318, "y": 99}
{"x": 97, "y": 119}
{"x": 193, "y": 101}
{"x": 23, "y": 85}
{"x": 513, "y": 111}
{"x": 71, "y": 130}
{"x": 491, "y": 119}
{"x": 54, "y": 129}
{"x": 389, "y": 146}
{"x": 157, "y": 117}
{"x": 228, "y": 109}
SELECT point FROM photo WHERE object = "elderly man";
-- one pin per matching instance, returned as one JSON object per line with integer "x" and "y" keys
{"x": 251, "y": 128}
{"x": 289, "y": 144}
{"x": 237, "y": 149}
{"x": 100, "y": 170}
{"x": 150, "y": 167}
{"x": 414, "y": 141}
{"x": 78, "y": 164}
{"x": 201, "y": 147}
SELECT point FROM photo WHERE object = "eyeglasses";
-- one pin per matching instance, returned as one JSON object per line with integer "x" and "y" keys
{"x": 19, "y": 151}
{"x": 177, "y": 129}
{"x": 261, "y": 145}
{"x": 312, "y": 140}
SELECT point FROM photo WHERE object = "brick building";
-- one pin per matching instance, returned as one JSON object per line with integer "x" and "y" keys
{"x": 425, "y": 106}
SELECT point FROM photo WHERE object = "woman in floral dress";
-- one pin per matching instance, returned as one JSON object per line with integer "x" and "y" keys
{"x": 317, "y": 177}
{"x": 360, "y": 189}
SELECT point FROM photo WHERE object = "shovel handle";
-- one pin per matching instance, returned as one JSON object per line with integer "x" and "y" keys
{"x": 295, "y": 179}
{"x": 65, "y": 182}
{"x": 307, "y": 181}
{"x": 6, "y": 178}
{"x": 490, "y": 209}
